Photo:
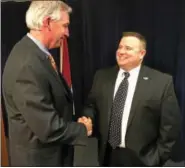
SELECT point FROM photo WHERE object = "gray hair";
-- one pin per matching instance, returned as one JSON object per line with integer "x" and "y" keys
{"x": 38, "y": 10}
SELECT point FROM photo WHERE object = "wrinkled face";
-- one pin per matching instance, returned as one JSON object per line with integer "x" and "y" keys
{"x": 58, "y": 30}
{"x": 129, "y": 53}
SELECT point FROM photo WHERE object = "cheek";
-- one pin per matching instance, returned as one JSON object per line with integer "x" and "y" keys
{"x": 135, "y": 58}
{"x": 117, "y": 54}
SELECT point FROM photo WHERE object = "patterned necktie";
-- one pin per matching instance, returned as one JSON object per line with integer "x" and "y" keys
{"x": 117, "y": 113}
{"x": 53, "y": 63}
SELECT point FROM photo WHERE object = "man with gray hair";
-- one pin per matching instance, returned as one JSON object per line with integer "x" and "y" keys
{"x": 37, "y": 99}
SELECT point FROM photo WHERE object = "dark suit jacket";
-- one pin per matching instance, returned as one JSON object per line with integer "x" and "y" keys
{"x": 154, "y": 120}
{"x": 39, "y": 106}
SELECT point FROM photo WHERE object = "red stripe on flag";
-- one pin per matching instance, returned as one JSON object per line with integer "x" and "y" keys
{"x": 66, "y": 70}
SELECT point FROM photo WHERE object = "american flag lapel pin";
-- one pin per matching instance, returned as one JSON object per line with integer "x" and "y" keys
{"x": 145, "y": 78}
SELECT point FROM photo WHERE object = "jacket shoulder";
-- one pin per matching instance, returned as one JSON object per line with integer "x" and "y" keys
{"x": 157, "y": 74}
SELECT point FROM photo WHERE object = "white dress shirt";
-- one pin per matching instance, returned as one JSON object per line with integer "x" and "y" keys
{"x": 132, "y": 81}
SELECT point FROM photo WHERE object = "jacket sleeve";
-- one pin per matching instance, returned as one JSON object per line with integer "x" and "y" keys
{"x": 90, "y": 109}
{"x": 170, "y": 123}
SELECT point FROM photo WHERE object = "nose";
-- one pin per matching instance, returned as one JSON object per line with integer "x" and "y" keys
{"x": 122, "y": 51}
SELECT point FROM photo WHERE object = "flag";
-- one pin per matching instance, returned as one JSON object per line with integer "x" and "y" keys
{"x": 65, "y": 68}
{"x": 65, "y": 63}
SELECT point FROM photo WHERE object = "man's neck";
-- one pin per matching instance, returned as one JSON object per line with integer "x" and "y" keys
{"x": 129, "y": 68}
{"x": 40, "y": 37}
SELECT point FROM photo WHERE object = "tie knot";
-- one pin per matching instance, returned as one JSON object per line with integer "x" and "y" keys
{"x": 53, "y": 64}
{"x": 127, "y": 74}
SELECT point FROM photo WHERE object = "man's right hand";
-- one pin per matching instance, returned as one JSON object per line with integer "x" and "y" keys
{"x": 88, "y": 123}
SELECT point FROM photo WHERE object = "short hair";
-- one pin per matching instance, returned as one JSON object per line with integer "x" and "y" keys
{"x": 40, "y": 9}
{"x": 138, "y": 36}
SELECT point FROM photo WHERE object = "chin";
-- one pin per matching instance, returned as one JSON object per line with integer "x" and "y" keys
{"x": 122, "y": 63}
{"x": 57, "y": 45}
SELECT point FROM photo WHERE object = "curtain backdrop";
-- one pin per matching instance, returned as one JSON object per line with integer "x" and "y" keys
{"x": 95, "y": 30}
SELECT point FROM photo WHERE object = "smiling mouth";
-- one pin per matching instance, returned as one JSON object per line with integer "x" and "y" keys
{"x": 123, "y": 57}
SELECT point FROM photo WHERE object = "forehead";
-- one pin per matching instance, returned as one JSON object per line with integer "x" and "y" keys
{"x": 64, "y": 17}
{"x": 130, "y": 41}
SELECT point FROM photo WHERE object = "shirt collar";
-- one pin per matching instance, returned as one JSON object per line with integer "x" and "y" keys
{"x": 39, "y": 44}
{"x": 132, "y": 71}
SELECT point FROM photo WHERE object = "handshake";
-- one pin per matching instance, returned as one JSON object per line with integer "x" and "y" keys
{"x": 88, "y": 124}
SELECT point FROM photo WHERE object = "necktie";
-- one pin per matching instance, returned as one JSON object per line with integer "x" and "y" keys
{"x": 117, "y": 112}
{"x": 53, "y": 63}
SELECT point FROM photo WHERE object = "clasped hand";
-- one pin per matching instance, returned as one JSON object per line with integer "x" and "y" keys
{"x": 88, "y": 124}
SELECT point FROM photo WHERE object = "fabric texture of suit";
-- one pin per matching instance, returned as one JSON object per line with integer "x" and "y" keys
{"x": 154, "y": 120}
{"x": 39, "y": 106}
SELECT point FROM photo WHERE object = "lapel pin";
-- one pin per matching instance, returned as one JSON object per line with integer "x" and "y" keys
{"x": 145, "y": 78}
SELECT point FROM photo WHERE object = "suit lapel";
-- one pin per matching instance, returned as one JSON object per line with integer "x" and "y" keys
{"x": 66, "y": 88}
{"x": 59, "y": 79}
{"x": 142, "y": 83}
{"x": 110, "y": 90}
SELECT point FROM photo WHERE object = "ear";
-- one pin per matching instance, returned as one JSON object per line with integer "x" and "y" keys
{"x": 143, "y": 52}
{"x": 46, "y": 22}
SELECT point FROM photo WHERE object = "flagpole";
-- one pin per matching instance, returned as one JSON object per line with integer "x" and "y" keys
{"x": 61, "y": 55}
